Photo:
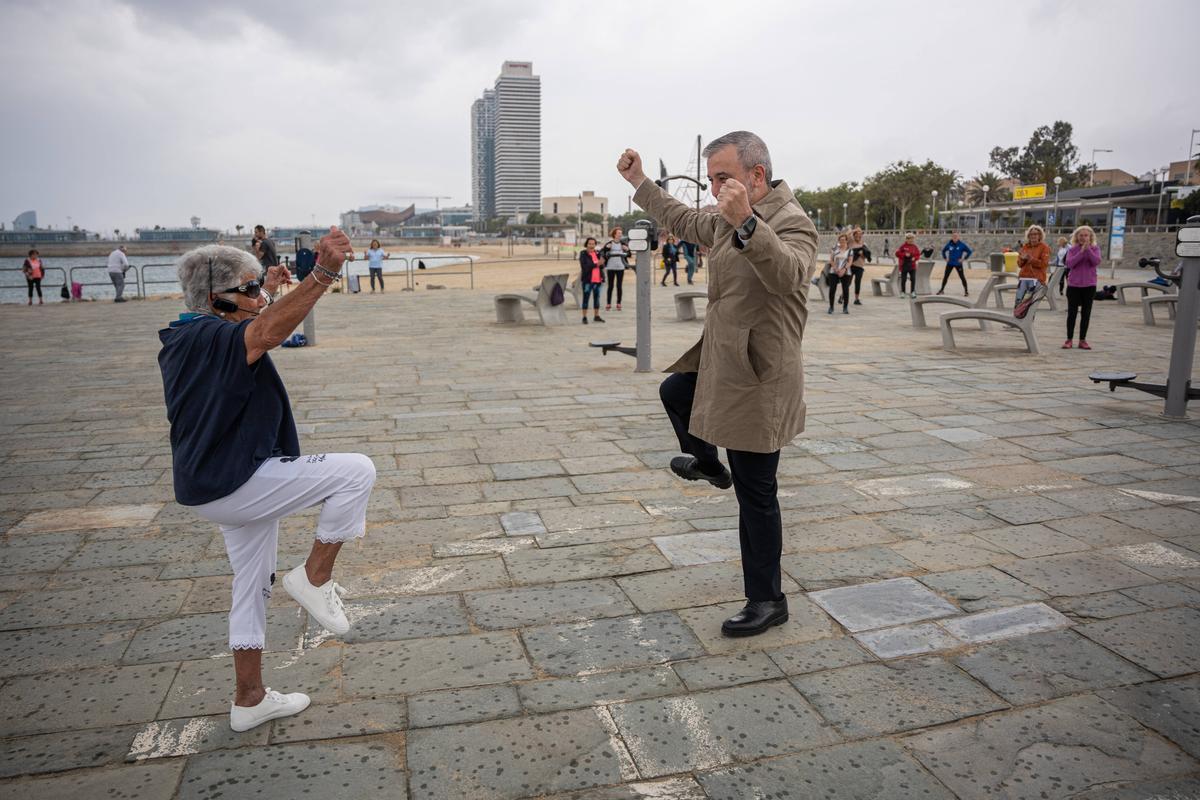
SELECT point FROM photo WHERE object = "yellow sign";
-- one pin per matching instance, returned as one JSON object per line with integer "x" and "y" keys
{"x": 1032, "y": 192}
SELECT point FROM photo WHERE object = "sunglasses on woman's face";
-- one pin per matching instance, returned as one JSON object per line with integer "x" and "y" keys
{"x": 250, "y": 288}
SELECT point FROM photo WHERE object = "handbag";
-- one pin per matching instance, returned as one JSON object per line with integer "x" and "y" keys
{"x": 556, "y": 295}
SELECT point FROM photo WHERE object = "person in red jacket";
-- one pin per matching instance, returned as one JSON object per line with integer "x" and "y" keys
{"x": 906, "y": 256}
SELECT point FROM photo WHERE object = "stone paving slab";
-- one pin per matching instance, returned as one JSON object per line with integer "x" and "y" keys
{"x": 878, "y": 770}
{"x": 198, "y": 636}
{"x": 882, "y": 604}
{"x": 345, "y": 769}
{"x": 907, "y": 640}
{"x": 1056, "y": 750}
{"x": 448, "y": 662}
{"x": 143, "y": 782}
{"x": 41, "y": 650}
{"x": 1075, "y": 573}
{"x": 684, "y": 788}
{"x": 708, "y": 729}
{"x": 690, "y": 586}
{"x": 1164, "y": 642}
{"x": 206, "y": 687}
{"x": 981, "y": 588}
{"x": 516, "y": 758}
{"x": 1043, "y": 666}
{"x": 1170, "y": 707}
{"x": 455, "y": 706}
{"x": 96, "y": 697}
{"x": 584, "y": 561}
{"x": 539, "y": 605}
{"x": 819, "y": 570}
{"x": 334, "y": 720}
{"x": 395, "y": 618}
{"x": 170, "y": 738}
{"x": 560, "y": 694}
{"x": 607, "y": 644}
{"x": 873, "y": 699}
{"x": 1004, "y": 623}
{"x": 799, "y": 659}
{"x": 723, "y": 671}
{"x": 65, "y": 750}
{"x": 806, "y": 622}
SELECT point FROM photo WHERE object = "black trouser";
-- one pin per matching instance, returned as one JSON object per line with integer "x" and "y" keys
{"x": 1079, "y": 300}
{"x": 376, "y": 271}
{"x": 961, "y": 276}
{"x": 34, "y": 283}
{"x": 672, "y": 270}
{"x": 760, "y": 526}
{"x": 857, "y": 272}
{"x": 911, "y": 275}
{"x": 833, "y": 281}
{"x": 616, "y": 277}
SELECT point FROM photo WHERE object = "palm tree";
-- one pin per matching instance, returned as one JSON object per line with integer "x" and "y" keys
{"x": 974, "y": 187}
{"x": 239, "y": 229}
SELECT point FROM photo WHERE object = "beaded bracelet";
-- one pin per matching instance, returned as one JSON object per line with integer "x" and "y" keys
{"x": 333, "y": 276}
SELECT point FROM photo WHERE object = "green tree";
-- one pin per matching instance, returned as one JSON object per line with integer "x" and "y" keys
{"x": 974, "y": 188}
{"x": 1049, "y": 154}
{"x": 829, "y": 203}
{"x": 904, "y": 185}
{"x": 535, "y": 218}
{"x": 593, "y": 218}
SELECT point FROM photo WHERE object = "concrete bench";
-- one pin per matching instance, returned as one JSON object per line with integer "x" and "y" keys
{"x": 1051, "y": 300}
{"x": 510, "y": 307}
{"x": 924, "y": 271}
{"x": 1025, "y": 326}
{"x": 889, "y": 286}
{"x": 685, "y": 304}
{"x": 1171, "y": 301}
{"x": 917, "y": 306}
{"x": 1144, "y": 286}
{"x": 574, "y": 289}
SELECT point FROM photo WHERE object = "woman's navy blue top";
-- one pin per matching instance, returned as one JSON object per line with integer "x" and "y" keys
{"x": 227, "y": 417}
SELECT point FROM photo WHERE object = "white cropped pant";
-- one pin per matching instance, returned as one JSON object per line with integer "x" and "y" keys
{"x": 249, "y": 520}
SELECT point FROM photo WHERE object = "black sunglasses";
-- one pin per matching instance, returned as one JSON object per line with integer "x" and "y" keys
{"x": 251, "y": 289}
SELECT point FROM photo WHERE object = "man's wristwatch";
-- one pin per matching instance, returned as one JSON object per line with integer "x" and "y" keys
{"x": 746, "y": 229}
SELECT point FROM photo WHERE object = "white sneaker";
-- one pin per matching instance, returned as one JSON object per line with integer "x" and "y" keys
{"x": 273, "y": 706}
{"x": 323, "y": 603}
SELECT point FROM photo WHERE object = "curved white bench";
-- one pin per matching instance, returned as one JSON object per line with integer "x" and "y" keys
{"x": 1144, "y": 286}
{"x": 685, "y": 305}
{"x": 1025, "y": 326}
{"x": 1051, "y": 285}
{"x": 1148, "y": 304}
{"x": 889, "y": 286}
{"x": 917, "y": 306}
{"x": 509, "y": 307}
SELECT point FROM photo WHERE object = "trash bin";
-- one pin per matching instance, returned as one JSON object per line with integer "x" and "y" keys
{"x": 1010, "y": 262}
{"x": 354, "y": 286}
{"x": 996, "y": 261}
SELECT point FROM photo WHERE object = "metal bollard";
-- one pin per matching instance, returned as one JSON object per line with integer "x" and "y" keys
{"x": 643, "y": 240}
{"x": 1183, "y": 342}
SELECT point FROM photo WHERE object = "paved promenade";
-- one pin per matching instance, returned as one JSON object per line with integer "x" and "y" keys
{"x": 993, "y": 567}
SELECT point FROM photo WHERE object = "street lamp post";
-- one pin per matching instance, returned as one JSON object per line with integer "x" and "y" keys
{"x": 818, "y": 219}
{"x": 927, "y": 211}
{"x": 1092, "y": 180}
{"x": 933, "y": 206}
{"x": 1162, "y": 185}
{"x": 866, "y": 214}
{"x": 1057, "y": 183}
{"x": 1187, "y": 178}
{"x": 985, "y": 188}
{"x": 844, "y": 207}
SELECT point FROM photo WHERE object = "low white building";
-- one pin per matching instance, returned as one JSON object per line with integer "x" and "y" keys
{"x": 585, "y": 202}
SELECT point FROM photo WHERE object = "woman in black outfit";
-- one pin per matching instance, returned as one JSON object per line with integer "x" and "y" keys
{"x": 670, "y": 255}
{"x": 591, "y": 278}
{"x": 616, "y": 260}
{"x": 860, "y": 254}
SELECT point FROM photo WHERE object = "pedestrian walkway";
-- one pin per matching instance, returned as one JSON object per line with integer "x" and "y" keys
{"x": 993, "y": 568}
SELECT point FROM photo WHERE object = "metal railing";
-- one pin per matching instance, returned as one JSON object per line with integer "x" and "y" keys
{"x": 145, "y": 282}
{"x": 45, "y": 272}
{"x": 414, "y": 266}
{"x": 137, "y": 281}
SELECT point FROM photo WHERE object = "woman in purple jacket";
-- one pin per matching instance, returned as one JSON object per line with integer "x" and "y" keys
{"x": 1082, "y": 259}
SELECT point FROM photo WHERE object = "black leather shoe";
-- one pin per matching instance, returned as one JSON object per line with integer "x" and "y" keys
{"x": 688, "y": 468}
{"x": 756, "y": 617}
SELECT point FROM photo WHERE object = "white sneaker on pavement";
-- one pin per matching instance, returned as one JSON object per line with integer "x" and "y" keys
{"x": 323, "y": 603}
{"x": 273, "y": 706}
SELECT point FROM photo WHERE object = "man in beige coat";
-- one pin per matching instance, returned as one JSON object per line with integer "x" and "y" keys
{"x": 741, "y": 386}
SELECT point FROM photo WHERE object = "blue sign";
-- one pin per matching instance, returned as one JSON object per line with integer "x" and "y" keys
{"x": 1116, "y": 235}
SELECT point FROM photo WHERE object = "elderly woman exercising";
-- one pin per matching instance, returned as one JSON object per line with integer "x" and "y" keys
{"x": 236, "y": 454}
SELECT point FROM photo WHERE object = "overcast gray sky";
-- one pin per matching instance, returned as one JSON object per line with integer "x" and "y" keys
{"x": 135, "y": 113}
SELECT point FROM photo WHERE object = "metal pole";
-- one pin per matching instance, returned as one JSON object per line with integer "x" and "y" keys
{"x": 644, "y": 269}
{"x": 1187, "y": 177}
{"x": 1183, "y": 344}
{"x": 1162, "y": 185}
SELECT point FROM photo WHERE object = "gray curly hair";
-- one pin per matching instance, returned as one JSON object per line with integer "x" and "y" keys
{"x": 213, "y": 266}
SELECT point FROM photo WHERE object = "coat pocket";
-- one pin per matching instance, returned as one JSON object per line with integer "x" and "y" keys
{"x": 744, "y": 361}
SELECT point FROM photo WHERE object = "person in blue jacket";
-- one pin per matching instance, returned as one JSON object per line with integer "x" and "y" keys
{"x": 956, "y": 253}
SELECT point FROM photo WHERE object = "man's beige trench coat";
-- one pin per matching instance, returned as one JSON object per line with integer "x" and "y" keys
{"x": 750, "y": 386}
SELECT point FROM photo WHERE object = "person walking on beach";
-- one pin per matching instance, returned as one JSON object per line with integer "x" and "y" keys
{"x": 956, "y": 253}
{"x": 264, "y": 248}
{"x": 591, "y": 278}
{"x": 690, "y": 253}
{"x": 34, "y": 272}
{"x": 615, "y": 255}
{"x": 1083, "y": 257}
{"x": 670, "y": 256}
{"x": 1060, "y": 260}
{"x": 375, "y": 257}
{"x": 838, "y": 273}
{"x": 907, "y": 255}
{"x": 860, "y": 254}
{"x": 741, "y": 386}
{"x": 236, "y": 453}
{"x": 118, "y": 265}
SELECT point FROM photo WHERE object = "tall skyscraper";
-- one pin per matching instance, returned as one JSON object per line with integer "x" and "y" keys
{"x": 483, "y": 165}
{"x": 513, "y": 179}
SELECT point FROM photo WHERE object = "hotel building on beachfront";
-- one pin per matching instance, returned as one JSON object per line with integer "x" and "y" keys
{"x": 506, "y": 145}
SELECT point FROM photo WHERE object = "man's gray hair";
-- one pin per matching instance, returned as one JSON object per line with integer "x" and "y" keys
{"x": 229, "y": 267}
{"x": 751, "y": 150}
